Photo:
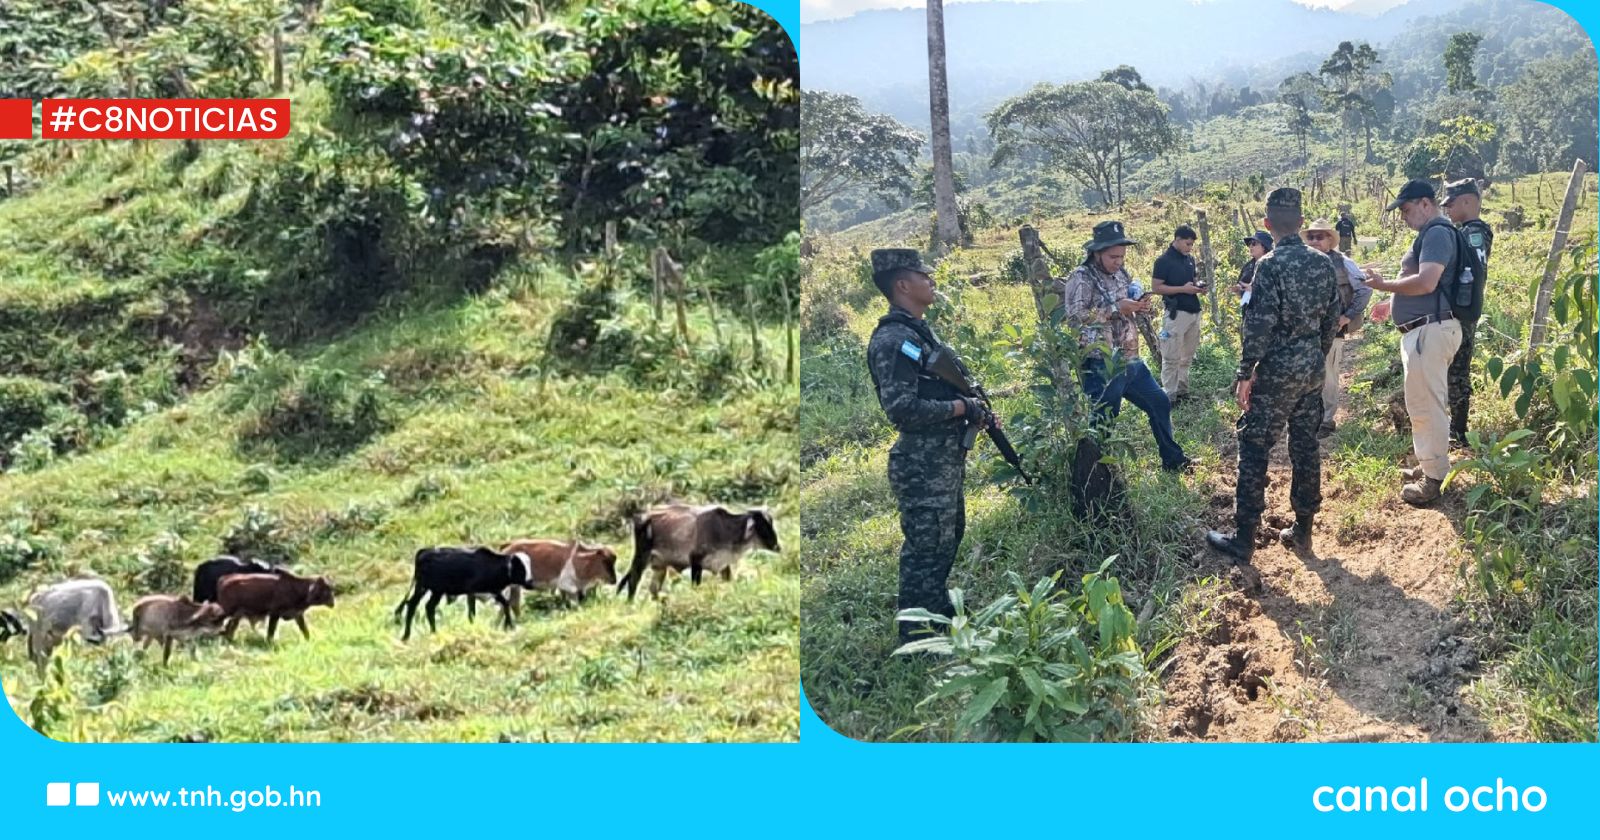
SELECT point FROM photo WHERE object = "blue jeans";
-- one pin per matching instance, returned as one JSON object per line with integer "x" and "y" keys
{"x": 1140, "y": 388}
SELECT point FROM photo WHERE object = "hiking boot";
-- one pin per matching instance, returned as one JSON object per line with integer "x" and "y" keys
{"x": 1238, "y": 545}
{"x": 1298, "y": 536}
{"x": 1411, "y": 473}
{"x": 1184, "y": 466}
{"x": 1327, "y": 428}
{"x": 1422, "y": 491}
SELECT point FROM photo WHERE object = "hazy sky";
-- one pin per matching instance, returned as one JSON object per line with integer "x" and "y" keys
{"x": 814, "y": 10}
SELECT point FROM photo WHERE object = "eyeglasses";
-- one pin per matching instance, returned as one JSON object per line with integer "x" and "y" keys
{"x": 1313, "y": 237}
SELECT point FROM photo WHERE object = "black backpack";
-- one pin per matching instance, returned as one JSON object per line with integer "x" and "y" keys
{"x": 1450, "y": 281}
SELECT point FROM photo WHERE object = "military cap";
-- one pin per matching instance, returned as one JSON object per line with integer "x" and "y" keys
{"x": 1414, "y": 189}
{"x": 1107, "y": 234}
{"x": 1284, "y": 198}
{"x": 892, "y": 259}
{"x": 1465, "y": 186}
{"x": 1261, "y": 238}
{"x": 1321, "y": 226}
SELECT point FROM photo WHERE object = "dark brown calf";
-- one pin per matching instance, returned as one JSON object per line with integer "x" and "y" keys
{"x": 271, "y": 597}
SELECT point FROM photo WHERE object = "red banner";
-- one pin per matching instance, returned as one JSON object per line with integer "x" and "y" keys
{"x": 165, "y": 119}
{"x": 16, "y": 119}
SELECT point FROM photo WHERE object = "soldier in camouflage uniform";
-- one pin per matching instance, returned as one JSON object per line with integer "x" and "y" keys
{"x": 927, "y": 464}
{"x": 1462, "y": 203}
{"x": 1289, "y": 325}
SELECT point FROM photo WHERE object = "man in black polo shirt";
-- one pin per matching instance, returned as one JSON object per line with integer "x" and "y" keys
{"x": 1173, "y": 278}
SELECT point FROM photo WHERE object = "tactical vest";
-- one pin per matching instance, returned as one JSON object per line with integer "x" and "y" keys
{"x": 929, "y": 387}
{"x": 1347, "y": 294}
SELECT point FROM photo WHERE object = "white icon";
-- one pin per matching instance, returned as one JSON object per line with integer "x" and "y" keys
{"x": 58, "y": 793}
{"x": 88, "y": 793}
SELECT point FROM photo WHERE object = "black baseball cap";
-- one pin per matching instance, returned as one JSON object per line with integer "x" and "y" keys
{"x": 1413, "y": 190}
{"x": 1261, "y": 238}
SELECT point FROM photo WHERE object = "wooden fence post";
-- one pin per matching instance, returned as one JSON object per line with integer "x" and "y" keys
{"x": 788, "y": 336}
{"x": 277, "y": 58}
{"x": 757, "y": 353}
{"x": 1207, "y": 261}
{"x": 1541, "y": 306}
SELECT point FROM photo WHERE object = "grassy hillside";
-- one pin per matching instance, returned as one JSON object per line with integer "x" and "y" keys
{"x": 397, "y": 329}
{"x": 1472, "y": 620}
{"x": 481, "y": 445}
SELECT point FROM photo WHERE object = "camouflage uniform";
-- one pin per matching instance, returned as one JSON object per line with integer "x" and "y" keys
{"x": 1481, "y": 237}
{"x": 927, "y": 464}
{"x": 1288, "y": 329}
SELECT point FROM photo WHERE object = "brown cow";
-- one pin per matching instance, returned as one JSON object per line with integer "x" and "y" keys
{"x": 696, "y": 538}
{"x": 571, "y": 568}
{"x": 271, "y": 597}
{"x": 168, "y": 617}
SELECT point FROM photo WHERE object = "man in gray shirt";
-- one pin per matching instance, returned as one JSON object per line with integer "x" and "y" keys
{"x": 1353, "y": 294}
{"x": 1429, "y": 336}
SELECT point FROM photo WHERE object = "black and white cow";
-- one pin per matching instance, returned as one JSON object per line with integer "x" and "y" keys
{"x": 463, "y": 571}
{"x": 697, "y": 539}
{"x": 12, "y": 623}
{"x": 210, "y": 573}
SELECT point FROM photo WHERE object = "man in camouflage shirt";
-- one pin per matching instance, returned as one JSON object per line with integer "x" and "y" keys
{"x": 1095, "y": 297}
{"x": 1289, "y": 325}
{"x": 927, "y": 464}
{"x": 1462, "y": 203}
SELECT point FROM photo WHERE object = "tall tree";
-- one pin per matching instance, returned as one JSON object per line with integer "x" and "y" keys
{"x": 1350, "y": 84}
{"x": 843, "y": 146}
{"x": 1458, "y": 55}
{"x": 1088, "y": 130}
{"x": 1300, "y": 93}
{"x": 948, "y": 229}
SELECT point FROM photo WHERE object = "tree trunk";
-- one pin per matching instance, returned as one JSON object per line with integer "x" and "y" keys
{"x": 948, "y": 232}
{"x": 1206, "y": 261}
{"x": 1541, "y": 305}
{"x": 1040, "y": 282}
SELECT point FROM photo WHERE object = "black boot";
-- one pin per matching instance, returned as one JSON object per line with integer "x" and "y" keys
{"x": 1298, "y": 536}
{"x": 1238, "y": 545}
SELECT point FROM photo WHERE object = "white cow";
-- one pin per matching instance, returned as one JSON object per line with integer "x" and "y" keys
{"x": 87, "y": 604}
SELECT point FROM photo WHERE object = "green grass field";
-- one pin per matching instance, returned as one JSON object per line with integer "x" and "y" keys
{"x": 1533, "y": 672}
{"x": 486, "y": 438}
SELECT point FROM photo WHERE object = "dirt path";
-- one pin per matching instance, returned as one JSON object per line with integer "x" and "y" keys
{"x": 1351, "y": 642}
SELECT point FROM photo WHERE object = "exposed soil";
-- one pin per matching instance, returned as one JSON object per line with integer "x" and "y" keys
{"x": 1388, "y": 662}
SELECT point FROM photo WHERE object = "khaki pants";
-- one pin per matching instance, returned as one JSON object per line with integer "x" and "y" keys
{"x": 1330, "y": 380}
{"x": 1182, "y": 331}
{"x": 1426, "y": 353}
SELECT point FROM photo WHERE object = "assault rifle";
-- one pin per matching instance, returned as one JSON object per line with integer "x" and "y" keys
{"x": 944, "y": 366}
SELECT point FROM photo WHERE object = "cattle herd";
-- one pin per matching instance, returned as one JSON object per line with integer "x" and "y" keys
{"x": 679, "y": 537}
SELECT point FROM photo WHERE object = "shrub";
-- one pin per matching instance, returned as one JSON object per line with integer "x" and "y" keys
{"x": 1041, "y": 664}
{"x": 260, "y": 535}
{"x": 303, "y": 409}
{"x": 162, "y": 567}
{"x": 24, "y": 406}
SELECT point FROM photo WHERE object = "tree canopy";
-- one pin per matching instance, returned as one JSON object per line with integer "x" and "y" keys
{"x": 1089, "y": 130}
{"x": 844, "y": 146}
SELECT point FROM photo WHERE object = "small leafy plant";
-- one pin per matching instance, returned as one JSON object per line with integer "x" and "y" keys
{"x": 1043, "y": 664}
